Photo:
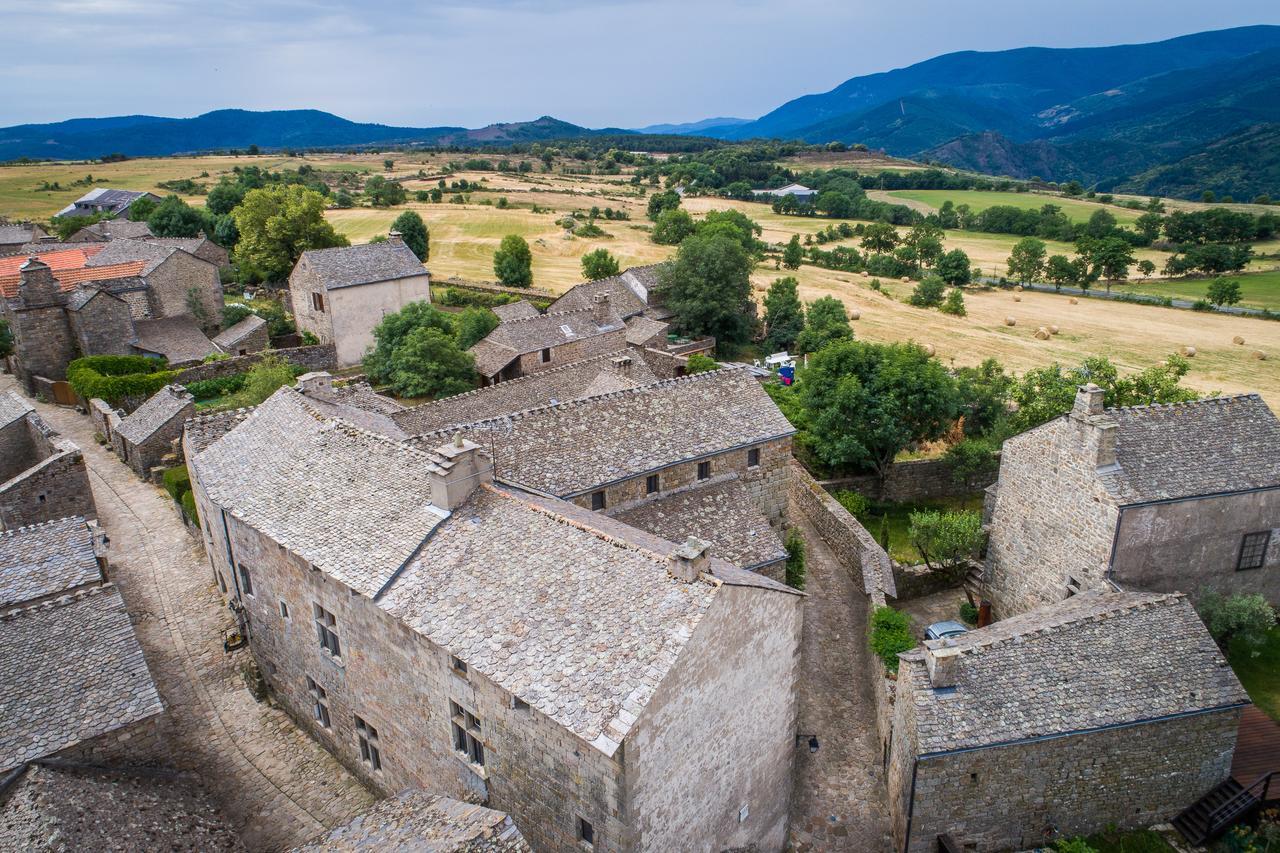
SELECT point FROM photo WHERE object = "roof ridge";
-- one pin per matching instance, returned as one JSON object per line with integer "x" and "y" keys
{"x": 27, "y": 528}
{"x": 1065, "y": 621}
{"x": 1201, "y": 401}
{"x": 544, "y": 315}
{"x": 353, "y": 429}
{"x": 54, "y": 602}
{"x": 528, "y": 376}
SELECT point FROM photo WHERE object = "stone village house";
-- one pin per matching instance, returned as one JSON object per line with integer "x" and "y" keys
{"x": 452, "y": 629}
{"x": 526, "y": 345}
{"x": 341, "y": 294}
{"x": 43, "y": 475}
{"x": 1179, "y": 497}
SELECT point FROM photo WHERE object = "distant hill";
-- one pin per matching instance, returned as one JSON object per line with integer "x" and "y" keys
{"x": 1242, "y": 165}
{"x": 139, "y": 136}
{"x": 692, "y": 127}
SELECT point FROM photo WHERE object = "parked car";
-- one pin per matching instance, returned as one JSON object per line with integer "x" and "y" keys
{"x": 943, "y": 630}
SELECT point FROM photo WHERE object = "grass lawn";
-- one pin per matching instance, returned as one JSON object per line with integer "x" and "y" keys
{"x": 1131, "y": 841}
{"x": 1257, "y": 290}
{"x": 1077, "y": 210}
{"x": 896, "y": 519}
{"x": 1261, "y": 675}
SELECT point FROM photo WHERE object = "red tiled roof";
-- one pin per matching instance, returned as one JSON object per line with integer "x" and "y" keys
{"x": 68, "y": 268}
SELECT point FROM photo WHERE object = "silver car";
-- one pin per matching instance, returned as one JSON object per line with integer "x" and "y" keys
{"x": 943, "y": 630}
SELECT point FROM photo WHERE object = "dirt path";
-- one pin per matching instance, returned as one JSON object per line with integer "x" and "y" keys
{"x": 839, "y": 798}
{"x": 277, "y": 786}
{"x": 886, "y": 195}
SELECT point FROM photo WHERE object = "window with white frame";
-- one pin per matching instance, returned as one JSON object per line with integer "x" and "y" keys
{"x": 466, "y": 733}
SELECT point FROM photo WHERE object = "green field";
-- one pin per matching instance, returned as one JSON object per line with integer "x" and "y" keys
{"x": 1257, "y": 290}
{"x": 979, "y": 200}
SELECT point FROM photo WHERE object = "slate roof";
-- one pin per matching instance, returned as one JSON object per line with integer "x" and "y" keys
{"x": 117, "y": 229}
{"x": 152, "y": 253}
{"x": 13, "y": 407}
{"x": 723, "y": 514}
{"x": 105, "y": 198}
{"x": 516, "y": 337}
{"x": 574, "y": 447}
{"x": 70, "y": 669}
{"x": 83, "y": 295}
{"x": 628, "y": 292}
{"x": 515, "y": 311}
{"x": 357, "y": 409}
{"x": 558, "y": 384}
{"x": 1225, "y": 444}
{"x": 421, "y": 821}
{"x": 642, "y": 329}
{"x": 159, "y": 409}
{"x": 16, "y": 235}
{"x": 61, "y": 809}
{"x": 1095, "y": 660}
{"x": 179, "y": 339}
{"x": 45, "y": 559}
{"x": 348, "y": 266}
{"x": 232, "y": 335}
{"x": 352, "y": 503}
{"x": 204, "y": 429}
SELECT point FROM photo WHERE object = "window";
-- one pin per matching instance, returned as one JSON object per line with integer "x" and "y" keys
{"x": 317, "y": 302}
{"x": 327, "y": 631}
{"x": 459, "y": 665}
{"x": 1073, "y": 586}
{"x": 41, "y": 498}
{"x": 284, "y": 609}
{"x": 368, "y": 737}
{"x": 246, "y": 581}
{"x": 519, "y": 704}
{"x": 319, "y": 702}
{"x": 597, "y": 500}
{"x": 546, "y": 355}
{"x": 222, "y": 583}
{"x": 651, "y": 484}
{"x": 704, "y": 470}
{"x": 586, "y": 832}
{"x": 1253, "y": 550}
{"x": 466, "y": 733}
{"x": 242, "y": 351}
{"x": 753, "y": 457}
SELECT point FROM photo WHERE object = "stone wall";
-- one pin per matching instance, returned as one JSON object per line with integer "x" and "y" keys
{"x": 917, "y": 582}
{"x": 531, "y": 362}
{"x": 150, "y": 453}
{"x": 103, "y": 326}
{"x": 318, "y": 357}
{"x": 42, "y": 342}
{"x": 54, "y": 484}
{"x": 180, "y": 279}
{"x": 665, "y": 365}
{"x": 918, "y": 479}
{"x": 526, "y": 293}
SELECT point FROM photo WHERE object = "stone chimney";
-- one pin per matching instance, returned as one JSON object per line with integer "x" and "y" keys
{"x": 1098, "y": 429}
{"x": 36, "y": 284}
{"x": 319, "y": 380}
{"x": 1089, "y": 400}
{"x": 465, "y": 465}
{"x": 688, "y": 561}
{"x": 621, "y": 366}
{"x": 600, "y": 312}
{"x": 942, "y": 658}
{"x": 395, "y": 237}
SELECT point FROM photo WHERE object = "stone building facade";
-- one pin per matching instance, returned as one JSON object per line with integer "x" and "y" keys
{"x": 527, "y": 345}
{"x": 1182, "y": 497}
{"x": 43, "y": 476}
{"x": 1119, "y": 730}
{"x": 416, "y": 620}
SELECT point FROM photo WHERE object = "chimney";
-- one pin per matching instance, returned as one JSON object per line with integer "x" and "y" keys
{"x": 1099, "y": 436}
{"x": 463, "y": 467}
{"x": 688, "y": 561}
{"x": 600, "y": 309}
{"x": 316, "y": 381}
{"x": 942, "y": 658}
{"x": 36, "y": 284}
{"x": 395, "y": 237}
{"x": 1089, "y": 400}
{"x": 621, "y": 366}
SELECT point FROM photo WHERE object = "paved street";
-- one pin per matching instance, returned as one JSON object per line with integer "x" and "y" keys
{"x": 274, "y": 783}
{"x": 839, "y": 798}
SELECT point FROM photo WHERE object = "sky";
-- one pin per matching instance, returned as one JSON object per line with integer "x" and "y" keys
{"x": 598, "y": 63}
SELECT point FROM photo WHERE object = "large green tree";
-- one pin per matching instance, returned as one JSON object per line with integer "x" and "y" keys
{"x": 954, "y": 268}
{"x": 671, "y": 227}
{"x": 1108, "y": 258}
{"x": 414, "y": 233}
{"x": 708, "y": 287}
{"x": 1027, "y": 260}
{"x": 173, "y": 217}
{"x": 793, "y": 254}
{"x": 598, "y": 264}
{"x": 416, "y": 353}
{"x": 1044, "y": 393}
{"x": 825, "y": 321}
{"x": 513, "y": 262}
{"x": 866, "y": 402}
{"x": 276, "y": 225}
{"x": 658, "y": 202}
{"x": 384, "y": 193}
{"x": 783, "y": 314}
{"x": 879, "y": 237}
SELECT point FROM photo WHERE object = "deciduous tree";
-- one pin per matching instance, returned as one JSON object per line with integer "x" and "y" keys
{"x": 708, "y": 287}
{"x": 598, "y": 264}
{"x": 414, "y": 233}
{"x": 1027, "y": 260}
{"x": 825, "y": 321}
{"x": 783, "y": 314}
{"x": 276, "y": 225}
{"x": 513, "y": 262}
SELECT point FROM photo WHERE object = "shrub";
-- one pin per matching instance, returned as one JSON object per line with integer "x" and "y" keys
{"x": 177, "y": 481}
{"x": 795, "y": 559}
{"x": 701, "y": 363}
{"x": 1238, "y": 620}
{"x": 929, "y": 293}
{"x": 1073, "y": 845}
{"x": 954, "y": 304}
{"x": 115, "y": 377}
{"x": 947, "y": 540}
{"x": 968, "y": 613}
{"x": 856, "y": 503}
{"x": 189, "y": 507}
{"x": 890, "y": 636}
{"x": 262, "y": 380}
{"x": 971, "y": 458}
{"x": 457, "y": 298}
{"x": 208, "y": 389}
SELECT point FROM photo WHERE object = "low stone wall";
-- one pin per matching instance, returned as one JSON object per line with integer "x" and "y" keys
{"x": 917, "y": 582}
{"x": 317, "y": 357}
{"x": 919, "y": 479}
{"x": 490, "y": 287}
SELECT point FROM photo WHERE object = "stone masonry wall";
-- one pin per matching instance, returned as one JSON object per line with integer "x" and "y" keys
{"x": 180, "y": 277}
{"x": 145, "y": 743}
{"x": 531, "y": 362}
{"x": 54, "y": 486}
{"x": 42, "y": 343}
{"x": 145, "y": 455}
{"x": 1026, "y": 795}
{"x": 103, "y": 327}
{"x": 302, "y": 283}
{"x": 737, "y": 679}
{"x": 18, "y": 448}
{"x": 1052, "y": 519}
{"x": 318, "y": 357}
{"x": 918, "y": 479}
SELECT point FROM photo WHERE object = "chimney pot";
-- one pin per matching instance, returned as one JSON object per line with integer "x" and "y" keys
{"x": 688, "y": 561}
{"x": 395, "y": 237}
{"x": 942, "y": 658}
{"x": 622, "y": 365}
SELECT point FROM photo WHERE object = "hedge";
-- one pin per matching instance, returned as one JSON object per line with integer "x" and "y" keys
{"x": 208, "y": 389}
{"x": 176, "y": 481}
{"x": 115, "y": 377}
{"x": 890, "y": 635}
{"x": 189, "y": 507}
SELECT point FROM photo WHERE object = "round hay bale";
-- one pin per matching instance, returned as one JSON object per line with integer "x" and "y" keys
{"x": 1189, "y": 352}
{"x": 1053, "y": 330}
{"x": 1238, "y": 340}
{"x": 865, "y": 274}
{"x": 1017, "y": 288}
{"x": 1042, "y": 334}
{"x": 1017, "y": 299}
{"x": 1010, "y": 321}
{"x": 1074, "y": 301}
{"x": 929, "y": 350}
{"x": 906, "y": 278}
{"x": 1259, "y": 355}
{"x": 855, "y": 314}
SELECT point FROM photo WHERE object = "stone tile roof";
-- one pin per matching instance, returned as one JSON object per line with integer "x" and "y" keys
{"x": 152, "y": 253}
{"x": 421, "y": 821}
{"x": 348, "y": 266}
{"x": 16, "y": 234}
{"x": 1226, "y": 444}
{"x": 356, "y": 410}
{"x": 531, "y": 334}
{"x": 179, "y": 339}
{"x": 545, "y": 387}
{"x": 515, "y": 311}
{"x": 118, "y": 229}
{"x": 70, "y": 669}
{"x": 61, "y": 808}
{"x": 628, "y": 292}
{"x": 723, "y": 514}
{"x": 574, "y": 447}
{"x": 84, "y": 294}
{"x": 580, "y": 623}
{"x": 1094, "y": 660}
{"x": 352, "y": 503}
{"x": 159, "y": 409}
{"x": 642, "y": 329}
{"x": 362, "y": 396}
{"x": 232, "y": 335}
{"x": 13, "y": 407}
{"x": 204, "y": 429}
{"x": 45, "y": 559}
{"x": 105, "y": 198}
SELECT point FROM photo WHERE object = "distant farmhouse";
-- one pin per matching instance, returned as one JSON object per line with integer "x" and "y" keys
{"x": 106, "y": 201}
{"x": 340, "y": 295}
{"x": 112, "y": 229}
{"x": 798, "y": 191}
{"x": 1180, "y": 497}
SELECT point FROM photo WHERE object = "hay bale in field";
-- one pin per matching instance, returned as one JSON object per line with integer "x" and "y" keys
{"x": 1017, "y": 299}
{"x": 865, "y": 274}
{"x": 1074, "y": 301}
{"x": 907, "y": 278}
{"x": 1259, "y": 355}
{"x": 1238, "y": 340}
{"x": 1042, "y": 334}
{"x": 929, "y": 350}
{"x": 1053, "y": 330}
{"x": 1189, "y": 352}
{"x": 1017, "y": 288}
{"x": 1010, "y": 321}
{"x": 855, "y": 314}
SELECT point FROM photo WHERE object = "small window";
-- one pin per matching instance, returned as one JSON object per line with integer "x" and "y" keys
{"x": 586, "y": 832}
{"x": 459, "y": 665}
{"x": 317, "y": 302}
{"x": 704, "y": 470}
{"x": 367, "y": 735}
{"x": 597, "y": 500}
{"x": 327, "y": 631}
{"x": 651, "y": 484}
{"x": 519, "y": 704}
{"x": 753, "y": 457}
{"x": 284, "y": 609}
{"x": 319, "y": 702}
{"x": 246, "y": 580}
{"x": 466, "y": 733}
{"x": 1253, "y": 550}
{"x": 41, "y": 498}
{"x": 242, "y": 351}
{"x": 546, "y": 355}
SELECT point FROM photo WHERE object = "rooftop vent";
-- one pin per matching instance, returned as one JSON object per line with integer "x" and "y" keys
{"x": 688, "y": 561}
